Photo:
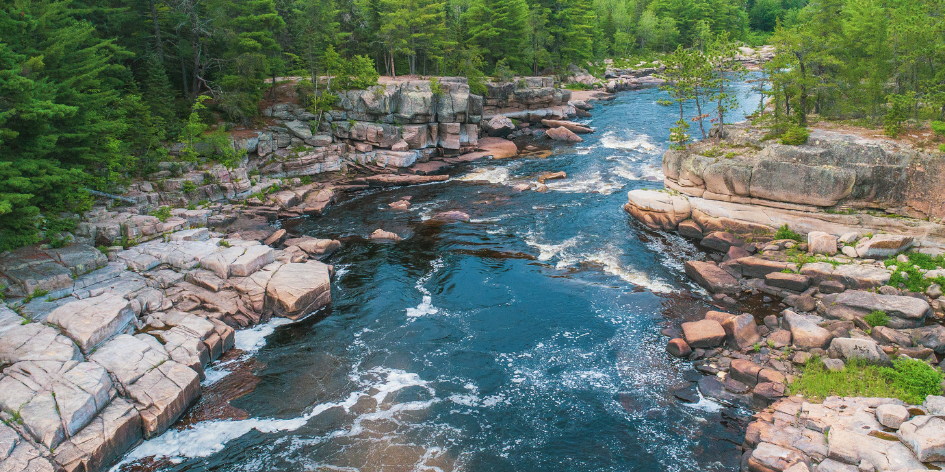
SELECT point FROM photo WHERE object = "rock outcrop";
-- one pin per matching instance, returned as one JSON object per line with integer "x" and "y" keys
{"x": 117, "y": 354}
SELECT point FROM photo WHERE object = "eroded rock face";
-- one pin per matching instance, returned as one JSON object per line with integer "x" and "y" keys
{"x": 162, "y": 395}
{"x": 658, "y": 210}
{"x": 106, "y": 438}
{"x": 55, "y": 399}
{"x": 925, "y": 435}
{"x": 35, "y": 342}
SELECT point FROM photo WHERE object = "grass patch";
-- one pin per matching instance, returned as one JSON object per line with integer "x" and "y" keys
{"x": 913, "y": 280}
{"x": 908, "y": 380}
{"x": 877, "y": 318}
{"x": 785, "y": 233}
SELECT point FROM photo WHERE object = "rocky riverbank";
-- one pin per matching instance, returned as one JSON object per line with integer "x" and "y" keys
{"x": 860, "y": 283}
{"x": 104, "y": 342}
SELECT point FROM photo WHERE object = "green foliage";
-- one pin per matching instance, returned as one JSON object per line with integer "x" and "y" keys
{"x": 938, "y": 127}
{"x": 784, "y": 232}
{"x": 908, "y": 380}
{"x": 915, "y": 378}
{"x": 915, "y": 280}
{"x": 162, "y": 213}
{"x": 188, "y": 186}
{"x": 435, "y": 87}
{"x": 899, "y": 108}
{"x": 795, "y": 136}
{"x": 877, "y": 318}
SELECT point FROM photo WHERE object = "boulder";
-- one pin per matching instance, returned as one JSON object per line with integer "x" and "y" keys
{"x": 741, "y": 331}
{"x": 385, "y": 236}
{"x": 690, "y": 229}
{"x": 162, "y": 395}
{"x": 904, "y": 312}
{"x": 91, "y": 321}
{"x": 451, "y": 216}
{"x": 925, "y": 435}
{"x": 570, "y": 125}
{"x": 851, "y": 348}
{"x": 499, "y": 126}
{"x": 721, "y": 241}
{"x": 882, "y": 246}
{"x": 819, "y": 242}
{"x": 319, "y": 247}
{"x": 563, "y": 134}
{"x": 703, "y": 334}
{"x": 780, "y": 338}
{"x": 658, "y": 210}
{"x": 678, "y": 347}
{"x": 498, "y": 148}
{"x": 891, "y": 415}
{"x": 789, "y": 281}
{"x": 745, "y": 371}
{"x": 758, "y": 268}
{"x": 805, "y": 333}
{"x": 295, "y": 290}
{"x": 712, "y": 277}
{"x": 932, "y": 337}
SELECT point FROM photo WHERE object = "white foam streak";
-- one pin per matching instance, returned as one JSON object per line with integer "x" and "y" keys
{"x": 642, "y": 143}
{"x": 253, "y": 339}
{"x": 207, "y": 438}
{"x": 424, "y": 308}
{"x": 493, "y": 175}
{"x": 547, "y": 251}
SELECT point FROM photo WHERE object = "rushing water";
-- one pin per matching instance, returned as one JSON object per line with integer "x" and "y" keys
{"x": 524, "y": 340}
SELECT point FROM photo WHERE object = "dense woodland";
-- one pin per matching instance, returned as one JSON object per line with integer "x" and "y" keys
{"x": 92, "y": 91}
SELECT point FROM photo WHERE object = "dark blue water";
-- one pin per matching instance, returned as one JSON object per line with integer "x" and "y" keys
{"x": 524, "y": 340}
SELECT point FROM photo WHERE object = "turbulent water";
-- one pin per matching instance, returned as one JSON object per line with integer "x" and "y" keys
{"x": 524, "y": 340}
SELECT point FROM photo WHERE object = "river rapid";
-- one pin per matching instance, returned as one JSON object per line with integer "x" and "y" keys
{"x": 524, "y": 340}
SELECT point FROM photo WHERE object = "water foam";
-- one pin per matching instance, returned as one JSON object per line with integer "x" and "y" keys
{"x": 426, "y": 303}
{"x": 253, "y": 339}
{"x": 642, "y": 143}
{"x": 493, "y": 175}
{"x": 608, "y": 259}
{"x": 209, "y": 437}
{"x": 592, "y": 183}
{"x": 547, "y": 251}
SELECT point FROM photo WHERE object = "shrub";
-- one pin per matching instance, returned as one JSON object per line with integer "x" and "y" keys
{"x": 915, "y": 378}
{"x": 188, "y": 186}
{"x": 784, "y": 232}
{"x": 938, "y": 127}
{"x": 795, "y": 136}
{"x": 436, "y": 87}
{"x": 162, "y": 213}
{"x": 877, "y": 318}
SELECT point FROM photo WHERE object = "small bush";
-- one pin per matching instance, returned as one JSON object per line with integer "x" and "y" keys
{"x": 784, "y": 232}
{"x": 877, "y": 318}
{"x": 436, "y": 87}
{"x": 188, "y": 186}
{"x": 916, "y": 379}
{"x": 162, "y": 213}
{"x": 795, "y": 136}
{"x": 938, "y": 127}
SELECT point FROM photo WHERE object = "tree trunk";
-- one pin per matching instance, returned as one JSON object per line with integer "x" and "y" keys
{"x": 158, "y": 44}
{"x": 699, "y": 111}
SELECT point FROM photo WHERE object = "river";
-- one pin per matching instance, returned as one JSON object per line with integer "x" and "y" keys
{"x": 524, "y": 340}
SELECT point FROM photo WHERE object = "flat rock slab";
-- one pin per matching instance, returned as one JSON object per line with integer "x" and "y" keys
{"x": 36, "y": 342}
{"x": 904, "y": 312}
{"x": 882, "y": 246}
{"x": 55, "y": 399}
{"x": 128, "y": 358}
{"x": 795, "y": 282}
{"x": 79, "y": 258}
{"x": 296, "y": 290}
{"x": 658, "y": 210}
{"x": 91, "y": 321}
{"x": 925, "y": 435}
{"x": 253, "y": 259}
{"x": 712, "y": 277}
{"x": 163, "y": 394}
